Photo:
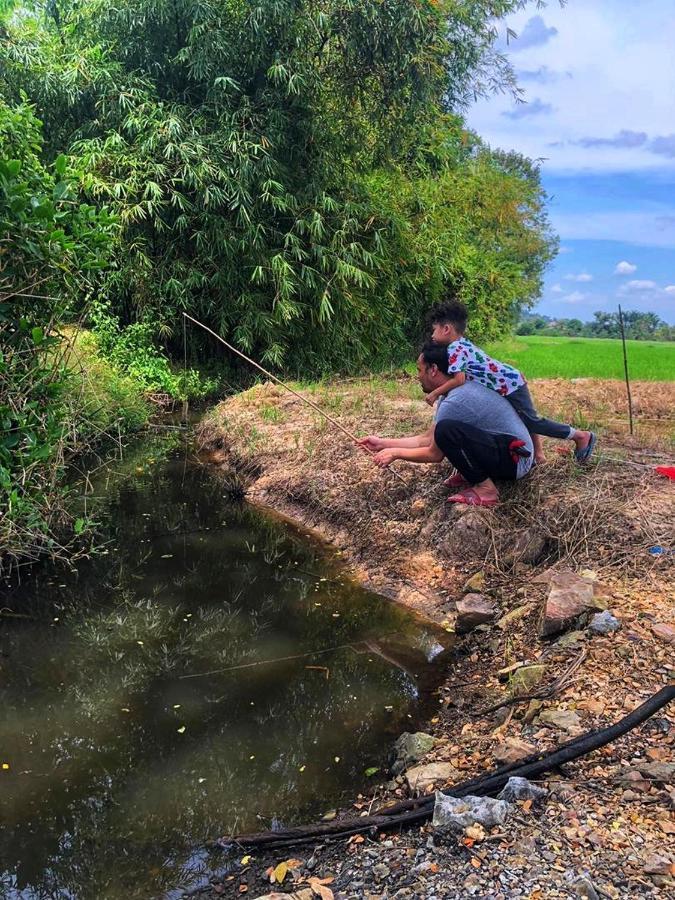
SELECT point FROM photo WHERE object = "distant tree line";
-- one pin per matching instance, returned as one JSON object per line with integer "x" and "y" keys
{"x": 639, "y": 326}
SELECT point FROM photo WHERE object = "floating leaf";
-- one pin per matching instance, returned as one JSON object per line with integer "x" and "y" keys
{"x": 302, "y": 768}
{"x": 245, "y": 860}
{"x": 5, "y": 766}
{"x": 181, "y": 729}
{"x": 373, "y": 770}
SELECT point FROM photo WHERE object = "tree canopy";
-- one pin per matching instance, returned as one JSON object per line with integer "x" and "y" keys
{"x": 295, "y": 173}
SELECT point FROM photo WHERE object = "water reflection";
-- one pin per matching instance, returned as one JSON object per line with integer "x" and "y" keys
{"x": 211, "y": 671}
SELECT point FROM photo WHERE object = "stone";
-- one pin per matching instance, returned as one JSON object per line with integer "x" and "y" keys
{"x": 583, "y": 887}
{"x": 525, "y": 679}
{"x": 381, "y": 871}
{"x": 566, "y": 719}
{"x": 513, "y": 750}
{"x": 454, "y": 814}
{"x": 658, "y": 771}
{"x": 420, "y": 778}
{"x": 664, "y": 632}
{"x": 658, "y": 865}
{"x": 534, "y": 707}
{"x": 409, "y": 749}
{"x": 474, "y": 610}
{"x": 571, "y": 640}
{"x": 527, "y": 547}
{"x": 570, "y": 597}
{"x": 515, "y": 615}
{"x": 604, "y": 623}
{"x": 475, "y": 583}
{"x": 517, "y": 788}
{"x": 633, "y": 779}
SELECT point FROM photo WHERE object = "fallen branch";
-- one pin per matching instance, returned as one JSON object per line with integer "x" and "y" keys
{"x": 411, "y": 812}
{"x": 545, "y": 693}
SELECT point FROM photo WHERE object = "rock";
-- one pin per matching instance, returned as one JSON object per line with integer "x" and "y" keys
{"x": 604, "y": 623}
{"x": 664, "y": 632}
{"x": 409, "y": 749}
{"x": 454, "y": 814}
{"x": 473, "y": 610}
{"x": 658, "y": 865}
{"x": 421, "y": 777}
{"x": 515, "y": 615}
{"x": 513, "y": 750}
{"x": 521, "y": 789}
{"x": 583, "y": 887}
{"x": 570, "y": 596}
{"x": 633, "y": 780}
{"x": 658, "y": 771}
{"x": 475, "y": 583}
{"x": 381, "y": 871}
{"x": 527, "y": 547}
{"x": 566, "y": 719}
{"x": 570, "y": 640}
{"x": 525, "y": 679}
{"x": 534, "y": 707}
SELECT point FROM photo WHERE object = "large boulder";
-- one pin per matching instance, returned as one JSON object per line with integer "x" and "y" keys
{"x": 409, "y": 749}
{"x": 570, "y": 597}
{"x": 474, "y": 610}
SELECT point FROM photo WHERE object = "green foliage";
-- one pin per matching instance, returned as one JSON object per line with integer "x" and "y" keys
{"x": 294, "y": 173}
{"x": 53, "y": 248}
{"x": 638, "y": 326}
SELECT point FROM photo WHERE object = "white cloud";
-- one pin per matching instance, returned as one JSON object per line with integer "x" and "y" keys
{"x": 563, "y": 249}
{"x": 603, "y": 75}
{"x": 625, "y": 268}
{"x": 556, "y": 289}
{"x": 581, "y": 277}
{"x": 574, "y": 297}
{"x": 670, "y": 289}
{"x": 639, "y": 285}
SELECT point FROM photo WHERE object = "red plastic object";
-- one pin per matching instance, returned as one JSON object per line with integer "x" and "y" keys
{"x": 668, "y": 471}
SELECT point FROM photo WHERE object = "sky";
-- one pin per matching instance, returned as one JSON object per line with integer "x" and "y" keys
{"x": 598, "y": 81}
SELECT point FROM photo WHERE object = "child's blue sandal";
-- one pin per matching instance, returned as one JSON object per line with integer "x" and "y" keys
{"x": 584, "y": 455}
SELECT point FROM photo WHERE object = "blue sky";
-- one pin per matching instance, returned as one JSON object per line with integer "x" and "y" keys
{"x": 598, "y": 82}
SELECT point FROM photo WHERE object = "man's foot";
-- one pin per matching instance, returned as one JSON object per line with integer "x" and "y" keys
{"x": 471, "y": 497}
{"x": 455, "y": 481}
{"x": 539, "y": 459}
{"x": 585, "y": 442}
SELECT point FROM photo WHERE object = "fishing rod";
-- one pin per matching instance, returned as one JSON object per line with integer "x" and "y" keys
{"x": 295, "y": 393}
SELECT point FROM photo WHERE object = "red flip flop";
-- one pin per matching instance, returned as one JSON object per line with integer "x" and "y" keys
{"x": 455, "y": 481}
{"x": 471, "y": 498}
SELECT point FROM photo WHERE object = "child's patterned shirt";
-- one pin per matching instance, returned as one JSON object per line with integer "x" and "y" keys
{"x": 463, "y": 356}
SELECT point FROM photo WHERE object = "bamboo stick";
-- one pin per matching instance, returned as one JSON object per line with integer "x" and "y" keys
{"x": 295, "y": 393}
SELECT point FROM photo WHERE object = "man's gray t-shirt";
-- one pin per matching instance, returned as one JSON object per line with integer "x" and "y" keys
{"x": 476, "y": 405}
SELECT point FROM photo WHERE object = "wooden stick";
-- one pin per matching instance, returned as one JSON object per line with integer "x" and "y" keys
{"x": 295, "y": 393}
{"x": 625, "y": 369}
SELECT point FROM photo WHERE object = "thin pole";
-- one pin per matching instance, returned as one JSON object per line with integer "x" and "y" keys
{"x": 625, "y": 369}
{"x": 295, "y": 393}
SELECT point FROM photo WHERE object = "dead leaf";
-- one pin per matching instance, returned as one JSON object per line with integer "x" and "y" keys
{"x": 475, "y": 862}
{"x": 279, "y": 873}
{"x": 318, "y": 885}
{"x": 243, "y": 888}
{"x": 527, "y": 806}
{"x": 293, "y": 863}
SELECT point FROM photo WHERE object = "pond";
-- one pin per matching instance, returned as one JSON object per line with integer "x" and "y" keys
{"x": 209, "y": 670}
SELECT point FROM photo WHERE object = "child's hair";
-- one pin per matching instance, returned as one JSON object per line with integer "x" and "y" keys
{"x": 435, "y": 354}
{"x": 452, "y": 312}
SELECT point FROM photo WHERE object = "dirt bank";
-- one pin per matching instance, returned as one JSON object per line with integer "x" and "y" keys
{"x": 603, "y": 817}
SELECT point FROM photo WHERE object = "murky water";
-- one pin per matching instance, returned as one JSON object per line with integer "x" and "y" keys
{"x": 212, "y": 671}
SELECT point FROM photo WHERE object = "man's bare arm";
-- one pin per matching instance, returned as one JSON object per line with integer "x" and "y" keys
{"x": 377, "y": 443}
{"x": 454, "y": 381}
{"x": 430, "y": 453}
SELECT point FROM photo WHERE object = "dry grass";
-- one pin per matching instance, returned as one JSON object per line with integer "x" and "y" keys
{"x": 402, "y": 537}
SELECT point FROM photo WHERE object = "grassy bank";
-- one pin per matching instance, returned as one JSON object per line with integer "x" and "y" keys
{"x": 553, "y": 357}
{"x": 91, "y": 406}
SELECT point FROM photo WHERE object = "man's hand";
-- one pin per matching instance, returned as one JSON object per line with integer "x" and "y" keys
{"x": 371, "y": 443}
{"x": 385, "y": 457}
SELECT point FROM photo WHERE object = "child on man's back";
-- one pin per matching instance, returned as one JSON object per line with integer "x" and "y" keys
{"x": 466, "y": 361}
